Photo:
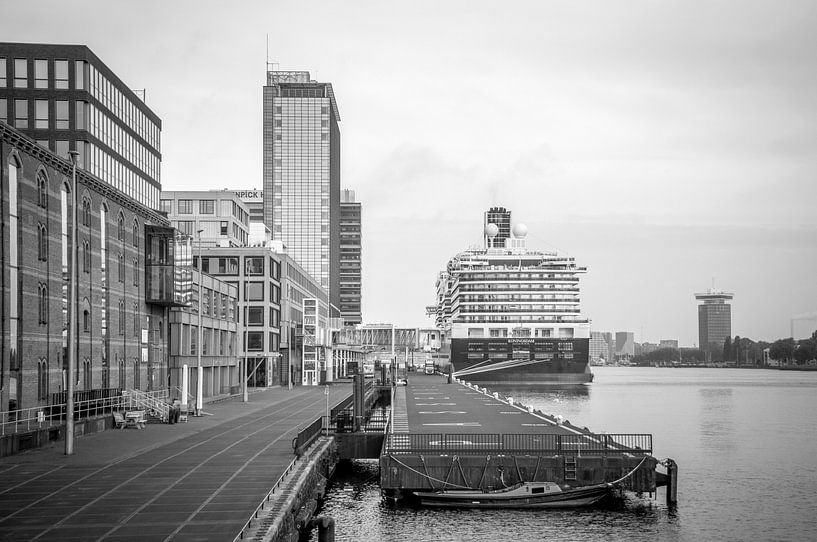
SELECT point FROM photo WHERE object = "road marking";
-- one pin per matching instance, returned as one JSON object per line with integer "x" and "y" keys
{"x": 536, "y": 424}
{"x": 434, "y": 404}
{"x": 458, "y": 424}
{"x": 443, "y": 412}
{"x": 506, "y": 412}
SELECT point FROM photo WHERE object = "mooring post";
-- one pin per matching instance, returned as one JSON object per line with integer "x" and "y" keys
{"x": 672, "y": 482}
{"x": 326, "y": 528}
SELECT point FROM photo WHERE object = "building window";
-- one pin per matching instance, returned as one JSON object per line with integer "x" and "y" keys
{"x": 121, "y": 267}
{"x": 185, "y": 206}
{"x": 42, "y": 380}
{"x": 166, "y": 206}
{"x": 137, "y": 324}
{"x": 121, "y": 317}
{"x": 42, "y": 190}
{"x": 40, "y": 73}
{"x": 86, "y": 374}
{"x": 135, "y": 233}
{"x": 41, "y": 114}
{"x": 20, "y": 73}
{"x": 206, "y": 207}
{"x": 254, "y": 291}
{"x": 223, "y": 228}
{"x": 255, "y": 341}
{"x": 122, "y": 373}
{"x": 79, "y": 75}
{"x": 86, "y": 256}
{"x": 86, "y": 321}
{"x": 255, "y": 316}
{"x": 21, "y": 113}
{"x": 42, "y": 242}
{"x": 43, "y": 303}
{"x": 61, "y": 114}
{"x": 4, "y": 106}
{"x": 61, "y": 74}
{"x": 135, "y": 272}
{"x": 3, "y": 79}
{"x": 86, "y": 212}
{"x": 120, "y": 230}
{"x": 254, "y": 265}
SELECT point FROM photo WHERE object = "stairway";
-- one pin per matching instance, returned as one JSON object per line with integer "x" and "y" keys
{"x": 570, "y": 467}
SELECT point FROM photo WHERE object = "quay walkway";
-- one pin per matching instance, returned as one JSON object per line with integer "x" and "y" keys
{"x": 198, "y": 480}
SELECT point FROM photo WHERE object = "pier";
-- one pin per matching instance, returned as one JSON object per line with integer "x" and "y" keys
{"x": 459, "y": 436}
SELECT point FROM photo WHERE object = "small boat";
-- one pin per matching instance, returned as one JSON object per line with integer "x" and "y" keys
{"x": 522, "y": 495}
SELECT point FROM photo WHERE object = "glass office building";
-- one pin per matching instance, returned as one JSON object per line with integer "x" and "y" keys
{"x": 65, "y": 98}
{"x": 351, "y": 275}
{"x": 302, "y": 173}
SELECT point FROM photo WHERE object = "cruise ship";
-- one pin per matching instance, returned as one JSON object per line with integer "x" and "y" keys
{"x": 511, "y": 314}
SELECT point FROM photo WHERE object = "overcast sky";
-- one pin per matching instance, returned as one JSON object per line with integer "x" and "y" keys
{"x": 659, "y": 143}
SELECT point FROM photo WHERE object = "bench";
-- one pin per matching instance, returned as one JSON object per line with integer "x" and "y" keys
{"x": 136, "y": 418}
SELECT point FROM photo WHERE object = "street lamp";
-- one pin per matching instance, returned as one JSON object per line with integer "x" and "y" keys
{"x": 72, "y": 312}
{"x": 199, "y": 372}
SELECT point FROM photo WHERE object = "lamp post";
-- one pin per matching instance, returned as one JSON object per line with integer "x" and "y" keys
{"x": 72, "y": 314}
{"x": 199, "y": 373}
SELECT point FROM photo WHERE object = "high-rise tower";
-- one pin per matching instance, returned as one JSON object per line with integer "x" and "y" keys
{"x": 350, "y": 258}
{"x": 714, "y": 322}
{"x": 302, "y": 173}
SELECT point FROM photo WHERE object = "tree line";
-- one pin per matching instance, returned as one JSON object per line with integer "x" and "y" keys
{"x": 738, "y": 350}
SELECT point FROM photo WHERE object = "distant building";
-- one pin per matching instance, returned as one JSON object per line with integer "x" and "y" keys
{"x": 65, "y": 98}
{"x": 351, "y": 275}
{"x": 625, "y": 344}
{"x": 668, "y": 343}
{"x": 220, "y": 216}
{"x": 501, "y": 218}
{"x": 645, "y": 348}
{"x": 714, "y": 322}
{"x": 602, "y": 347}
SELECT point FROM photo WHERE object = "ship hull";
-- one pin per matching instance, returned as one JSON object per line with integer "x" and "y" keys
{"x": 521, "y": 361}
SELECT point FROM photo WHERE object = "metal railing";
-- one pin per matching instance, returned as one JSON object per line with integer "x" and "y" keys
{"x": 157, "y": 402}
{"x": 342, "y": 421}
{"x": 43, "y": 417}
{"x": 307, "y": 436}
{"x": 264, "y": 502}
{"x": 493, "y": 443}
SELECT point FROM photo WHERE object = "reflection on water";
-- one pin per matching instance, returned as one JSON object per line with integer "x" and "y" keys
{"x": 717, "y": 432}
{"x": 550, "y": 392}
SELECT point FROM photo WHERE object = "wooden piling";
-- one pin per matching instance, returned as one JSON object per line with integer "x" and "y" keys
{"x": 672, "y": 482}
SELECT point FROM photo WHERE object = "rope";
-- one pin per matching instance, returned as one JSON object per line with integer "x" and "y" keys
{"x": 629, "y": 473}
{"x": 429, "y": 477}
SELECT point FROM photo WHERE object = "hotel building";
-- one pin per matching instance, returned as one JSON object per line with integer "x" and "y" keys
{"x": 65, "y": 98}
{"x": 301, "y": 173}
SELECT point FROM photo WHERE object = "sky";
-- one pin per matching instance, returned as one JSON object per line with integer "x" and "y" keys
{"x": 666, "y": 145}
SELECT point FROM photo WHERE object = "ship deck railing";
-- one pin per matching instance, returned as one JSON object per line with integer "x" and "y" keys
{"x": 518, "y": 444}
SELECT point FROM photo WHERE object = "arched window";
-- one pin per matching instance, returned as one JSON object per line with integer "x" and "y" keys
{"x": 137, "y": 324}
{"x": 120, "y": 227}
{"x": 135, "y": 233}
{"x": 122, "y": 373}
{"x": 86, "y": 212}
{"x": 86, "y": 321}
{"x": 43, "y": 303}
{"x": 103, "y": 241}
{"x": 42, "y": 379}
{"x": 121, "y": 317}
{"x": 135, "y": 272}
{"x": 86, "y": 256}
{"x": 42, "y": 190}
{"x": 42, "y": 242}
{"x": 121, "y": 266}
{"x": 86, "y": 374}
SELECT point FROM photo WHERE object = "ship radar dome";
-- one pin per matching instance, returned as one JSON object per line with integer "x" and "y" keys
{"x": 520, "y": 230}
{"x": 491, "y": 230}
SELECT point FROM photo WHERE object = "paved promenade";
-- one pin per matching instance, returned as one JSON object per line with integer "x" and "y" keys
{"x": 192, "y": 481}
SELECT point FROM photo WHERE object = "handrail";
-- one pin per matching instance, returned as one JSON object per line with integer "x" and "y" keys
{"x": 265, "y": 500}
{"x": 45, "y": 416}
{"x": 481, "y": 443}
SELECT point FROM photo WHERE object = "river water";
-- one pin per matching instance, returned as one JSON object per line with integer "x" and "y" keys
{"x": 745, "y": 441}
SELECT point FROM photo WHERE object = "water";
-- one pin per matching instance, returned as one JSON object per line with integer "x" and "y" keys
{"x": 745, "y": 442}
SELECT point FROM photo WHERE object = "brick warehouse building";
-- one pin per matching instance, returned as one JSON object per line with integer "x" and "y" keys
{"x": 130, "y": 269}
